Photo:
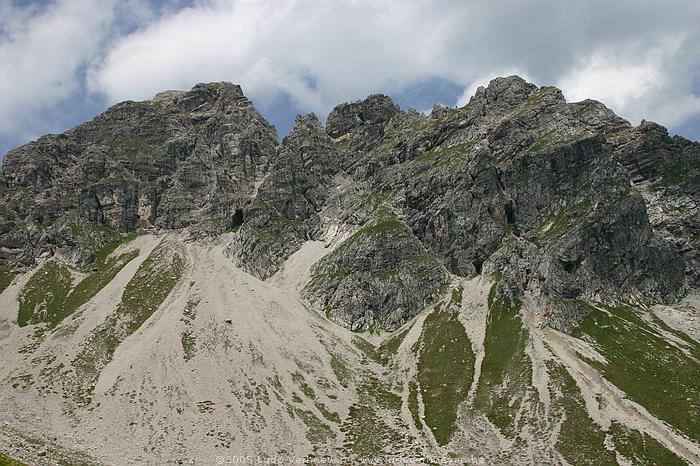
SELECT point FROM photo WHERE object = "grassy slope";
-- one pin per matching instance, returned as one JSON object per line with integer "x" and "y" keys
{"x": 145, "y": 292}
{"x": 506, "y": 377}
{"x": 49, "y": 296}
{"x": 445, "y": 371}
{"x": 42, "y": 298}
{"x": 93, "y": 283}
{"x": 641, "y": 449}
{"x": 371, "y": 426}
{"x": 367, "y": 433}
{"x": 506, "y": 371}
{"x": 656, "y": 374}
{"x": 580, "y": 440}
{"x": 6, "y": 278}
{"x": 7, "y": 461}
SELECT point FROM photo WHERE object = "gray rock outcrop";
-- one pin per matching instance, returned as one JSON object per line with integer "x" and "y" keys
{"x": 179, "y": 160}
{"x": 567, "y": 201}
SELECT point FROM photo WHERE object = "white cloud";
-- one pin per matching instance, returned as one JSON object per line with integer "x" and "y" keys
{"x": 321, "y": 53}
{"x": 614, "y": 83}
{"x": 41, "y": 52}
{"x": 646, "y": 85}
{"x": 348, "y": 49}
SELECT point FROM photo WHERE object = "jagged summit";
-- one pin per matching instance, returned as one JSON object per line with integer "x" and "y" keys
{"x": 182, "y": 159}
{"x": 375, "y": 110}
{"x": 205, "y": 159}
{"x": 516, "y": 279}
{"x": 503, "y": 93}
{"x": 224, "y": 92}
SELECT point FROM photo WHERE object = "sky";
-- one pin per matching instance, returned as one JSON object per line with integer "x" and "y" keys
{"x": 63, "y": 62}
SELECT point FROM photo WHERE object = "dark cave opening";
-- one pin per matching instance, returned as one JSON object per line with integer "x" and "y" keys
{"x": 237, "y": 219}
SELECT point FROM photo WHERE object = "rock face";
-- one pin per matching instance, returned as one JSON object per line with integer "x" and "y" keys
{"x": 523, "y": 183}
{"x": 363, "y": 121}
{"x": 179, "y": 160}
{"x": 665, "y": 171}
{"x": 284, "y": 211}
{"x": 379, "y": 277}
{"x": 566, "y": 200}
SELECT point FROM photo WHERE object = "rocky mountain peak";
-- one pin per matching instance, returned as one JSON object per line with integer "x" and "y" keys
{"x": 361, "y": 122}
{"x": 519, "y": 271}
{"x": 460, "y": 180}
{"x": 182, "y": 159}
{"x": 308, "y": 122}
{"x": 503, "y": 94}
{"x": 653, "y": 130}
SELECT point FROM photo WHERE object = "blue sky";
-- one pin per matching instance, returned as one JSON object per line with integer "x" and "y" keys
{"x": 64, "y": 61}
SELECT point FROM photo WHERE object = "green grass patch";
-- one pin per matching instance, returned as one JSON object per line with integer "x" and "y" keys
{"x": 103, "y": 254}
{"x": 456, "y": 297}
{"x": 506, "y": 371}
{"x": 389, "y": 347}
{"x": 496, "y": 277}
{"x": 563, "y": 220}
{"x": 367, "y": 432}
{"x": 368, "y": 350}
{"x": 580, "y": 440}
{"x": 383, "y": 353}
{"x": 651, "y": 371}
{"x": 327, "y": 413}
{"x": 388, "y": 223}
{"x": 49, "y": 296}
{"x": 303, "y": 386}
{"x": 7, "y": 461}
{"x": 543, "y": 141}
{"x": 318, "y": 433}
{"x": 641, "y": 449}
{"x": 533, "y": 101}
{"x": 42, "y": 298}
{"x": 445, "y": 371}
{"x": 445, "y": 157}
{"x": 143, "y": 295}
{"x": 341, "y": 371}
{"x": 152, "y": 283}
{"x": 676, "y": 173}
{"x": 54, "y": 454}
{"x": 187, "y": 338}
{"x": 413, "y": 406}
{"x": 105, "y": 271}
{"x": 426, "y": 156}
{"x": 6, "y": 277}
{"x": 189, "y": 343}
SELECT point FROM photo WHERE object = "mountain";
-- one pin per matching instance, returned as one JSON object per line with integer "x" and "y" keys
{"x": 513, "y": 281}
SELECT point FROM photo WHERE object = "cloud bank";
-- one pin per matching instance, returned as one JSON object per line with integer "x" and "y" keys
{"x": 41, "y": 52}
{"x": 638, "y": 57}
